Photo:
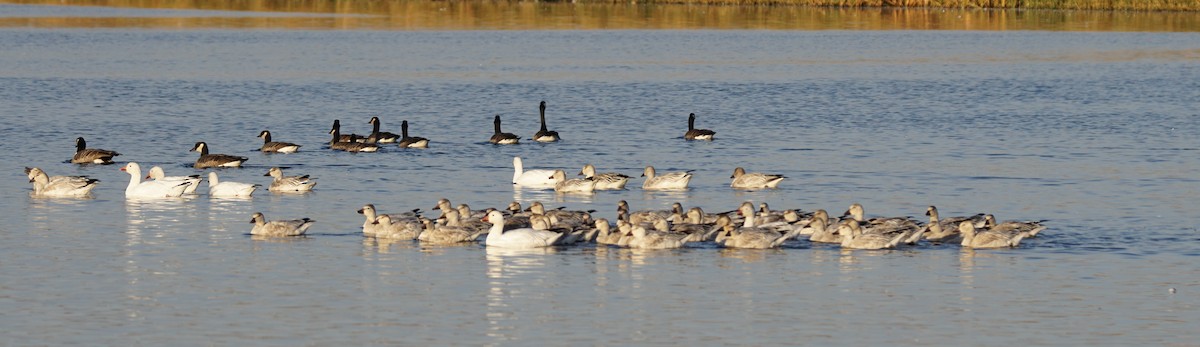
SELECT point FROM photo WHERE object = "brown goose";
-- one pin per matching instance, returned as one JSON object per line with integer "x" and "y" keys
{"x": 697, "y": 134}
{"x": 351, "y": 144}
{"x": 411, "y": 141}
{"x": 337, "y": 124}
{"x": 276, "y": 147}
{"x": 502, "y": 138}
{"x": 544, "y": 135}
{"x": 84, "y": 155}
{"x": 378, "y": 136}
{"x": 215, "y": 160}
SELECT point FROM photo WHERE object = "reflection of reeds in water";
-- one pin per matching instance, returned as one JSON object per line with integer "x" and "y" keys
{"x": 409, "y": 15}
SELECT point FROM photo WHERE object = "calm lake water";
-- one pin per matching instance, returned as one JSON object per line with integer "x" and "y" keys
{"x": 1095, "y": 131}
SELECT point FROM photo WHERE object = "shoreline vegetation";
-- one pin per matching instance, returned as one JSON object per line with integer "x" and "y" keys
{"x": 987, "y": 15}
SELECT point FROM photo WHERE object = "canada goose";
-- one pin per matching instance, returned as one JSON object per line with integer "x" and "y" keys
{"x": 517, "y": 238}
{"x": 59, "y": 186}
{"x": 263, "y": 227}
{"x": 337, "y": 124}
{"x": 378, "y": 136}
{"x": 754, "y": 180}
{"x": 84, "y": 155}
{"x": 989, "y": 238}
{"x": 214, "y": 160}
{"x": 574, "y": 185}
{"x": 217, "y": 188}
{"x": 276, "y": 147}
{"x": 604, "y": 181}
{"x": 281, "y": 183}
{"x": 667, "y": 181}
{"x": 156, "y": 173}
{"x": 150, "y": 189}
{"x": 502, "y": 138}
{"x": 411, "y": 141}
{"x": 697, "y": 134}
{"x": 351, "y": 145}
{"x": 544, "y": 135}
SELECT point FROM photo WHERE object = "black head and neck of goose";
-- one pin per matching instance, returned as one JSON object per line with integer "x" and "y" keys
{"x": 265, "y": 135}
{"x": 200, "y": 147}
{"x": 496, "y": 124}
{"x": 542, "y": 114}
{"x": 337, "y": 133}
{"x": 374, "y": 137}
{"x": 404, "y": 129}
{"x": 691, "y": 121}
{"x": 80, "y": 144}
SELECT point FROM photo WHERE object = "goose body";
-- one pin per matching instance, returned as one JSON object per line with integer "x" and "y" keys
{"x": 411, "y": 141}
{"x": 220, "y": 189}
{"x": 59, "y": 186}
{"x": 544, "y": 135}
{"x": 84, "y": 155}
{"x": 407, "y": 223}
{"x": 380, "y": 136}
{"x": 207, "y": 160}
{"x": 517, "y": 238}
{"x": 281, "y": 183}
{"x": 264, "y": 227}
{"x": 450, "y": 233}
{"x": 946, "y": 229}
{"x": 276, "y": 147}
{"x": 989, "y": 238}
{"x": 574, "y": 185}
{"x": 604, "y": 181}
{"x": 754, "y": 180}
{"x": 351, "y": 145}
{"x": 502, "y": 138}
{"x": 750, "y": 235}
{"x": 648, "y": 239}
{"x": 697, "y": 134}
{"x": 531, "y": 178}
{"x": 667, "y": 181}
{"x": 150, "y": 189}
{"x": 156, "y": 173}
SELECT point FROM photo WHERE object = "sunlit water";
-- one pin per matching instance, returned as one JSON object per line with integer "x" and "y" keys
{"x": 1094, "y": 131}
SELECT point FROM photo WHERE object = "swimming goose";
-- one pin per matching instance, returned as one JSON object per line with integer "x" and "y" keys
{"x": 544, "y": 135}
{"x": 989, "y": 238}
{"x": 150, "y": 189}
{"x": 749, "y": 235}
{"x": 156, "y": 173}
{"x": 517, "y": 238}
{"x": 502, "y": 138}
{"x": 885, "y": 225}
{"x": 604, "y": 234}
{"x": 215, "y": 160}
{"x": 822, "y": 233}
{"x": 647, "y": 239}
{"x": 84, "y": 155}
{"x": 667, "y": 181}
{"x": 647, "y": 216}
{"x": 276, "y": 147}
{"x": 380, "y": 136}
{"x": 369, "y": 226}
{"x": 263, "y": 227}
{"x": 59, "y": 186}
{"x": 531, "y": 178}
{"x": 754, "y": 180}
{"x": 573, "y": 219}
{"x": 218, "y": 189}
{"x": 697, "y": 134}
{"x": 411, "y": 141}
{"x": 351, "y": 145}
{"x": 946, "y": 229}
{"x": 450, "y": 233}
{"x": 574, "y": 185}
{"x": 384, "y": 227}
{"x": 1030, "y": 227}
{"x": 281, "y": 183}
{"x": 337, "y": 124}
{"x": 807, "y": 228}
{"x": 604, "y": 181}
{"x": 854, "y": 238}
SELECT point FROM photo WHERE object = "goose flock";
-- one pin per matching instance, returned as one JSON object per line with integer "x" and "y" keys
{"x": 534, "y": 227}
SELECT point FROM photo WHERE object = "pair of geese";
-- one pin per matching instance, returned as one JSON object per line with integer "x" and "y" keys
{"x": 543, "y": 134}
{"x": 85, "y": 155}
{"x": 593, "y": 181}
